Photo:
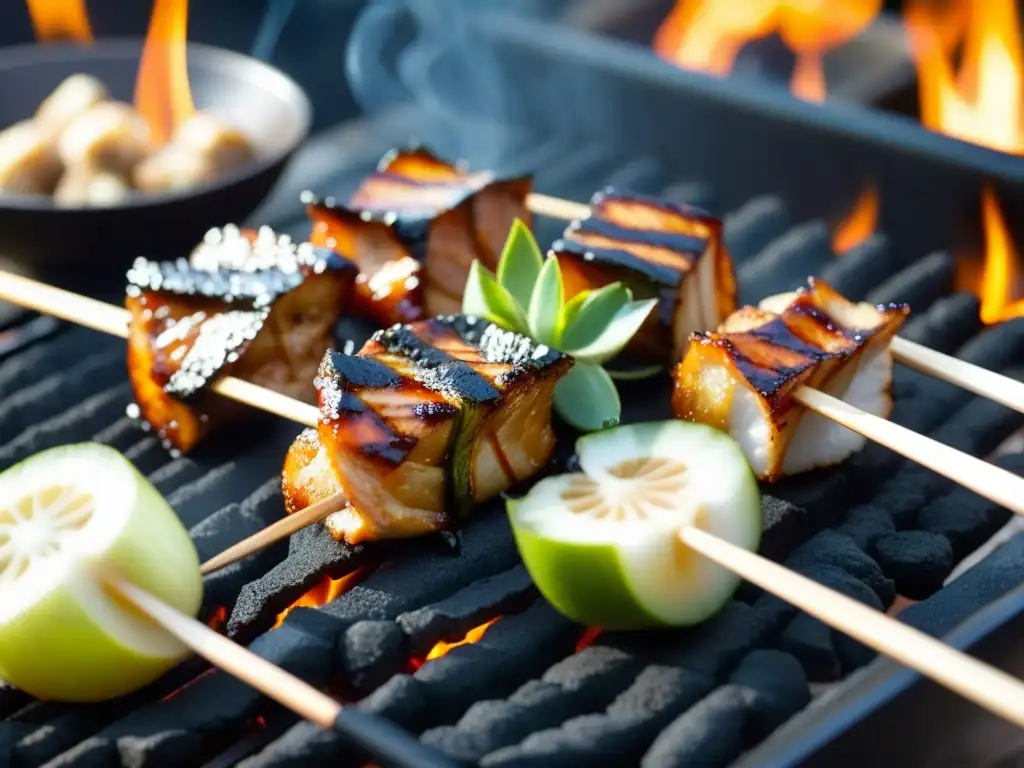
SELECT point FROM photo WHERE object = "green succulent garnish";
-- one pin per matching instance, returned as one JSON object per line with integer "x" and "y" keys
{"x": 527, "y": 296}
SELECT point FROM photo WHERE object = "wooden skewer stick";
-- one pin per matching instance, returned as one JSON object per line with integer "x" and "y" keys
{"x": 556, "y": 208}
{"x": 982, "y": 382}
{"x": 377, "y": 736}
{"x": 976, "y": 681}
{"x": 107, "y": 318}
{"x": 993, "y": 483}
{"x": 274, "y": 532}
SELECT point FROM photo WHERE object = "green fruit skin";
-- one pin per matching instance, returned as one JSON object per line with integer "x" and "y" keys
{"x": 54, "y": 650}
{"x": 584, "y": 582}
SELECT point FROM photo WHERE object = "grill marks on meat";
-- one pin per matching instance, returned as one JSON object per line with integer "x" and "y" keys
{"x": 251, "y": 305}
{"x": 659, "y": 250}
{"x": 422, "y": 221}
{"x": 740, "y": 378}
{"x": 426, "y": 421}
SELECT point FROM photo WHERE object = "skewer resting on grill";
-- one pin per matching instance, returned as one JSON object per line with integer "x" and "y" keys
{"x": 986, "y": 686}
{"x": 106, "y": 318}
{"x": 982, "y": 382}
{"x": 377, "y": 736}
{"x": 987, "y": 480}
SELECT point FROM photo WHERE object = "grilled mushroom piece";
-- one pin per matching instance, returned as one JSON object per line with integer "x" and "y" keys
{"x": 425, "y": 421}
{"x": 29, "y": 164}
{"x": 109, "y": 136}
{"x": 255, "y": 306}
{"x": 415, "y": 205}
{"x": 203, "y": 148}
{"x": 76, "y": 94}
{"x": 83, "y": 185}
{"x": 659, "y": 250}
{"x": 740, "y": 378}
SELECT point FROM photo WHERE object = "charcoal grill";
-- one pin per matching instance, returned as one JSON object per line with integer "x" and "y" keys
{"x": 524, "y": 694}
{"x": 535, "y": 689}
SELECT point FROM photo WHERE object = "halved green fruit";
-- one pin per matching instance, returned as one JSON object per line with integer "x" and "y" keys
{"x": 64, "y": 512}
{"x": 602, "y": 545}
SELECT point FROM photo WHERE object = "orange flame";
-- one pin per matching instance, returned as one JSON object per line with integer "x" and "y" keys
{"x": 707, "y": 35}
{"x": 323, "y": 593}
{"x": 440, "y": 649}
{"x": 57, "y": 20}
{"x": 982, "y": 102}
{"x": 162, "y": 92}
{"x": 999, "y": 275}
{"x": 860, "y": 223}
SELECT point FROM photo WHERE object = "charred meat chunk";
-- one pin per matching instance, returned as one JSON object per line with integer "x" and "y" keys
{"x": 255, "y": 306}
{"x": 740, "y": 378}
{"x": 658, "y": 250}
{"x": 425, "y": 421}
{"x": 416, "y": 206}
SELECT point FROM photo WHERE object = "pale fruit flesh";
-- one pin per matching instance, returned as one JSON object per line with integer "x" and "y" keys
{"x": 66, "y": 515}
{"x": 603, "y": 545}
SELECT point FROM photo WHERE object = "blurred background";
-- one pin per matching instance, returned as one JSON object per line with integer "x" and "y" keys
{"x": 305, "y": 38}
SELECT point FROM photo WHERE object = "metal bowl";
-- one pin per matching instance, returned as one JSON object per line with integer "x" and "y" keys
{"x": 38, "y": 237}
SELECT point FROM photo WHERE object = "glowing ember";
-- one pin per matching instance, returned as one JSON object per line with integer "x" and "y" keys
{"x": 189, "y": 684}
{"x": 859, "y": 224}
{"x": 60, "y": 20}
{"x": 590, "y": 634}
{"x": 981, "y": 101}
{"x": 324, "y": 592}
{"x": 440, "y": 649}
{"x": 162, "y": 92}
{"x": 218, "y": 619}
{"x": 707, "y": 35}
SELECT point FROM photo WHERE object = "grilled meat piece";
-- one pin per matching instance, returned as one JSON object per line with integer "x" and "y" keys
{"x": 255, "y": 306}
{"x": 393, "y": 295}
{"x": 416, "y": 205}
{"x": 740, "y": 378}
{"x": 658, "y": 250}
{"x": 426, "y": 421}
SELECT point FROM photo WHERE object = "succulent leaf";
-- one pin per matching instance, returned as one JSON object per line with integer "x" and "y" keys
{"x": 586, "y": 398}
{"x": 520, "y": 264}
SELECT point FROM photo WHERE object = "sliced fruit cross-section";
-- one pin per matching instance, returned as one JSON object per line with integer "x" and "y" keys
{"x": 603, "y": 544}
{"x": 64, "y": 514}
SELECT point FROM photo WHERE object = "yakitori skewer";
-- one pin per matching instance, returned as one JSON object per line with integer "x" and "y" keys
{"x": 987, "y": 687}
{"x": 989, "y": 481}
{"x": 380, "y": 738}
{"x": 112, "y": 320}
{"x": 982, "y": 382}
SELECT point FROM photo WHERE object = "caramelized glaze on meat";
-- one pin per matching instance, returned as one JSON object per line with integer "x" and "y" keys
{"x": 741, "y": 377}
{"x": 416, "y": 206}
{"x": 253, "y": 306}
{"x": 426, "y": 421}
{"x": 659, "y": 250}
